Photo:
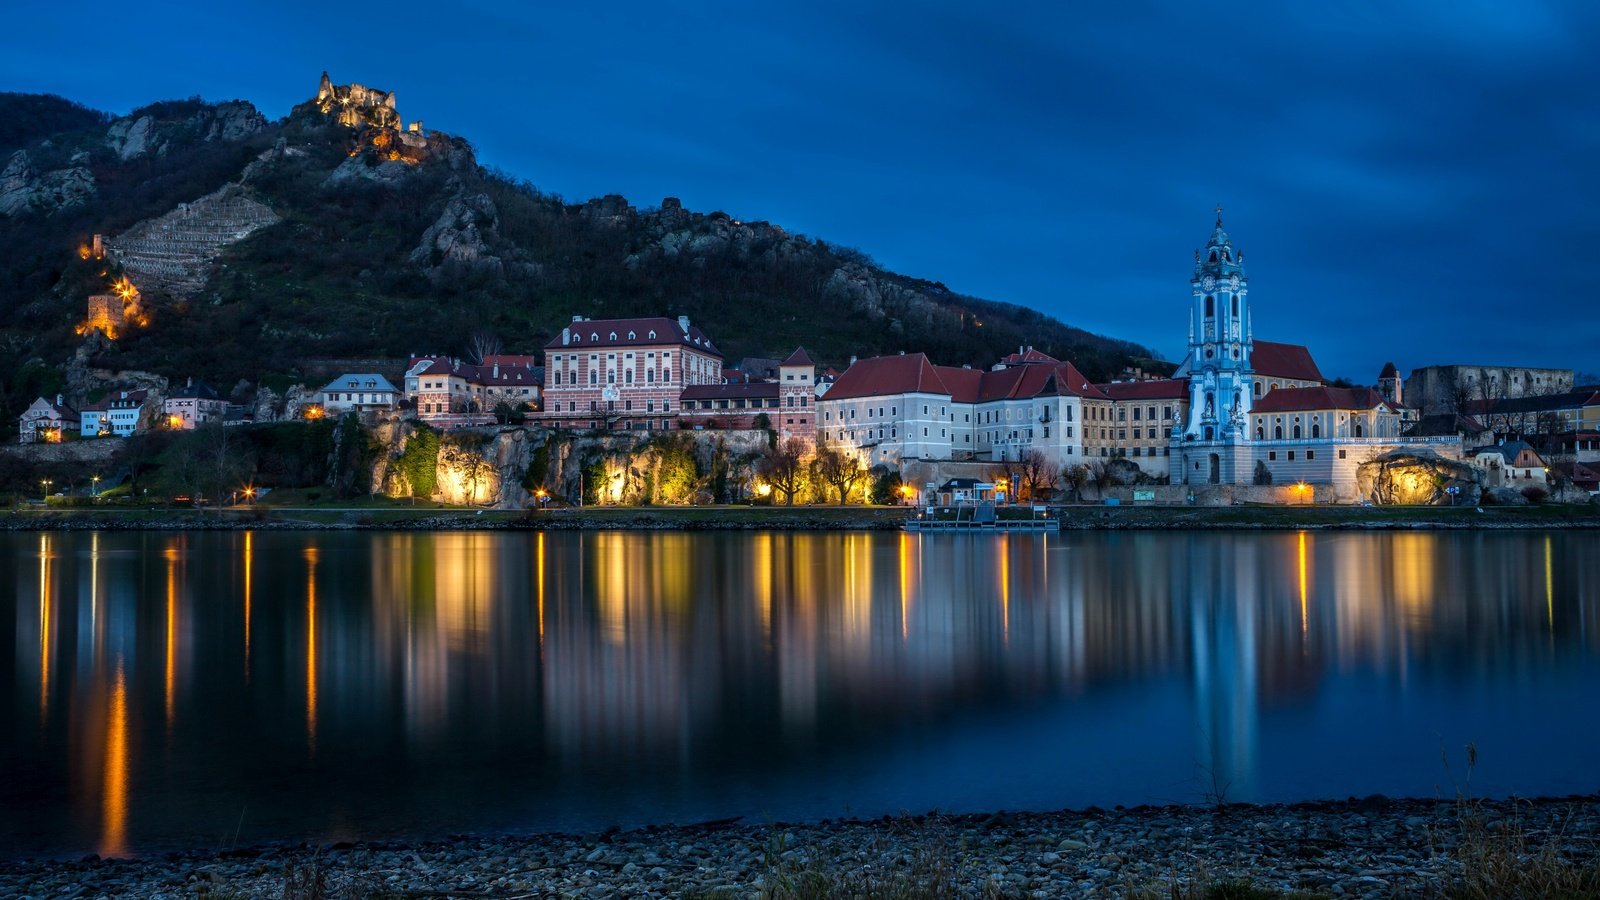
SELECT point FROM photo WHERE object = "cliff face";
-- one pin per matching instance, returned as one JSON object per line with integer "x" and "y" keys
{"x": 504, "y": 468}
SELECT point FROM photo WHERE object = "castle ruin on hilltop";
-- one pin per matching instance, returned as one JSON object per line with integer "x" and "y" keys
{"x": 358, "y": 106}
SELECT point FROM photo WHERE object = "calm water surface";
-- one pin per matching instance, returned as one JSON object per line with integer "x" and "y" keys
{"x": 200, "y": 689}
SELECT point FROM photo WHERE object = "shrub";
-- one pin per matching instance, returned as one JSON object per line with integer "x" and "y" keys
{"x": 1535, "y": 494}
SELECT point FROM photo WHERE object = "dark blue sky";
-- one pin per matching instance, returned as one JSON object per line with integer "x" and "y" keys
{"x": 1417, "y": 184}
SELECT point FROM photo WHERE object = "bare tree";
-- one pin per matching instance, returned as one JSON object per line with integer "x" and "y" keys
{"x": 226, "y": 462}
{"x": 1076, "y": 475}
{"x": 839, "y": 469}
{"x": 784, "y": 467}
{"x": 1038, "y": 475}
{"x": 483, "y": 344}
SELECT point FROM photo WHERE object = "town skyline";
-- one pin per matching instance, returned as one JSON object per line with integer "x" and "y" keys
{"x": 1423, "y": 224}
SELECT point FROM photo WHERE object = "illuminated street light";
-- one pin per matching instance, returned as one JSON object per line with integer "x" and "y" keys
{"x": 45, "y": 483}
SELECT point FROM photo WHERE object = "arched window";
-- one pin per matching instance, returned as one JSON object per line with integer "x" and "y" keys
{"x": 1358, "y": 428}
{"x": 1277, "y": 432}
{"x": 1227, "y": 255}
{"x": 1316, "y": 429}
{"x": 1210, "y": 306}
{"x": 1258, "y": 388}
{"x": 1210, "y": 434}
{"x": 1297, "y": 432}
{"x": 1261, "y": 433}
{"x": 594, "y": 377}
{"x": 1213, "y": 256}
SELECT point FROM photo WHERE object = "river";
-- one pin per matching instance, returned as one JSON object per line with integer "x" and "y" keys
{"x": 207, "y": 689}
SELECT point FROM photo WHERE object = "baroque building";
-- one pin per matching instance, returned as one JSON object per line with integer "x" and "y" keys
{"x": 1215, "y": 439}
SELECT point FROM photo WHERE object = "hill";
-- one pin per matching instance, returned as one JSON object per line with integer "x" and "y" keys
{"x": 338, "y": 233}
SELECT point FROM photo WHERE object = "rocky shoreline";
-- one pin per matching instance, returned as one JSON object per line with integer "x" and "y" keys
{"x": 1358, "y": 848}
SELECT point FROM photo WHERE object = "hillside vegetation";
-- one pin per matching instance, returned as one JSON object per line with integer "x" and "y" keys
{"x": 380, "y": 259}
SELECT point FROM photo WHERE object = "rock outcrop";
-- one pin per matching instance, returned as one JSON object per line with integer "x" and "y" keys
{"x": 1418, "y": 478}
{"x": 22, "y": 189}
{"x": 457, "y": 237}
{"x": 175, "y": 252}
{"x": 131, "y": 136}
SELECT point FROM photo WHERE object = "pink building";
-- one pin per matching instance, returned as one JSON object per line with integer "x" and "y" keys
{"x": 787, "y": 402}
{"x": 448, "y": 390}
{"x": 625, "y": 373}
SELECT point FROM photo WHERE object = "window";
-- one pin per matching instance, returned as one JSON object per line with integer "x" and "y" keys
{"x": 1316, "y": 432}
{"x": 1277, "y": 432}
{"x": 1311, "y": 454}
{"x": 1297, "y": 432}
{"x": 1272, "y": 455}
{"x": 1211, "y": 301}
{"x": 1341, "y": 454}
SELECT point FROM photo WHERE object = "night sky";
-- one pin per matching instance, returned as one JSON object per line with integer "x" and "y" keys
{"x": 1418, "y": 185}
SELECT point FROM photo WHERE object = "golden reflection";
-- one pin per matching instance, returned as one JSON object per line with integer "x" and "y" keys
{"x": 761, "y": 560}
{"x": 1549, "y": 587}
{"x": 905, "y": 585}
{"x": 1414, "y": 556}
{"x": 170, "y": 680}
{"x": 539, "y": 580}
{"x": 114, "y": 800}
{"x": 44, "y": 626}
{"x": 311, "y": 647}
{"x": 1005, "y": 588}
{"x": 611, "y": 585}
{"x": 248, "y": 554}
{"x": 1304, "y": 624}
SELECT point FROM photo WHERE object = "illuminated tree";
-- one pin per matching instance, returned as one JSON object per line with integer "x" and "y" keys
{"x": 838, "y": 469}
{"x": 1037, "y": 475}
{"x": 784, "y": 467}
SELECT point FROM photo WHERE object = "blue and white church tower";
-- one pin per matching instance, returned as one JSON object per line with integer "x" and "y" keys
{"x": 1214, "y": 445}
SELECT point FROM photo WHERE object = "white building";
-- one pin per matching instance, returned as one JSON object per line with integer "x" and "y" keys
{"x": 44, "y": 420}
{"x": 191, "y": 406}
{"x": 894, "y": 409}
{"x": 359, "y": 392}
{"x": 1258, "y": 412}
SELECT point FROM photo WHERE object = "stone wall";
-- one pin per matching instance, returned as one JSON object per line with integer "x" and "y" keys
{"x": 175, "y": 251}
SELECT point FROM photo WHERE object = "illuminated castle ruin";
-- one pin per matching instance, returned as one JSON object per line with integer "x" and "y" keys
{"x": 111, "y": 314}
{"x": 358, "y": 106}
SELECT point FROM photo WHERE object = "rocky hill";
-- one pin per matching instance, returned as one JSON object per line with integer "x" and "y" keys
{"x": 258, "y": 246}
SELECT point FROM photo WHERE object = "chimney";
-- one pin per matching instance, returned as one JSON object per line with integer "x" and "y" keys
{"x": 683, "y": 322}
{"x": 497, "y": 370}
{"x": 852, "y": 361}
{"x": 191, "y": 381}
{"x": 61, "y": 400}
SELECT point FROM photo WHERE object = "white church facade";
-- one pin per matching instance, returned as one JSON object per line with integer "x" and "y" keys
{"x": 1247, "y": 427}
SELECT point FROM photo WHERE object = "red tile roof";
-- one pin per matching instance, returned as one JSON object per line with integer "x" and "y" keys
{"x": 753, "y": 389}
{"x": 1160, "y": 389}
{"x": 1029, "y": 356}
{"x": 1292, "y": 361}
{"x": 598, "y": 333}
{"x": 798, "y": 358}
{"x": 1297, "y": 399}
{"x": 913, "y": 373}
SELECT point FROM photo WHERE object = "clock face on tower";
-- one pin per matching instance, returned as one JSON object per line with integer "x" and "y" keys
{"x": 1208, "y": 283}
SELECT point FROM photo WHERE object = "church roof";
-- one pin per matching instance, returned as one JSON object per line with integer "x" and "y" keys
{"x": 1291, "y": 361}
{"x": 1155, "y": 389}
{"x": 1389, "y": 371}
{"x": 1299, "y": 399}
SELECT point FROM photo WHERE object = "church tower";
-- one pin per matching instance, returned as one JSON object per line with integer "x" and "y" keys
{"x": 1219, "y": 343}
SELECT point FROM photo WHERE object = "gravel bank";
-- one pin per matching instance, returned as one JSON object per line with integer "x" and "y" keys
{"x": 1367, "y": 848}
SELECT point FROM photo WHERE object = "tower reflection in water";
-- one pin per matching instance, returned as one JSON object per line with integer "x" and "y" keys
{"x": 346, "y": 682}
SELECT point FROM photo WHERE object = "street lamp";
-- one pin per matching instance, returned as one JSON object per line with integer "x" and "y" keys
{"x": 45, "y": 498}
{"x": 95, "y": 485}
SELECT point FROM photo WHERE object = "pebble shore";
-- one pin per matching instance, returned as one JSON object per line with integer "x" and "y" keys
{"x": 1359, "y": 848}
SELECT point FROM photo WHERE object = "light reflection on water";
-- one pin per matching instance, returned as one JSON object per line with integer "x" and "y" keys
{"x": 176, "y": 689}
